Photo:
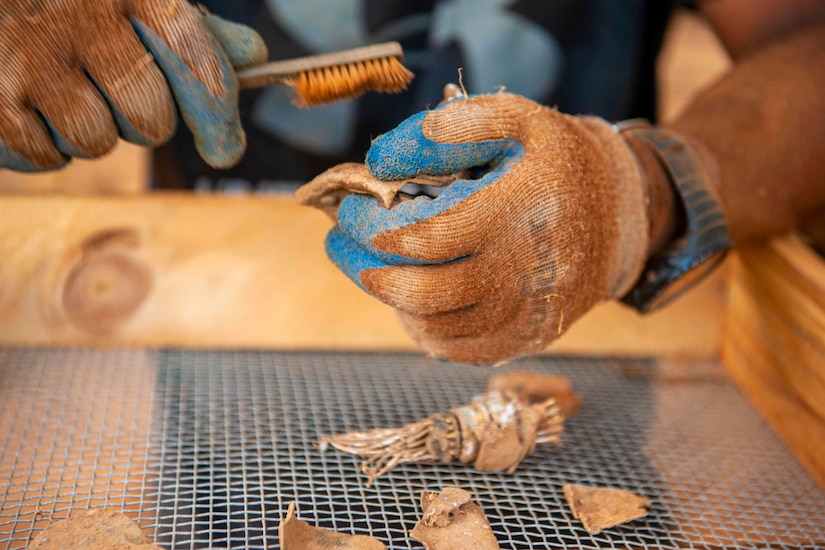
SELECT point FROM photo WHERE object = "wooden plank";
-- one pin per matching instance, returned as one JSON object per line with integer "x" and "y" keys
{"x": 124, "y": 170}
{"x": 790, "y": 317}
{"x": 176, "y": 270}
{"x": 775, "y": 342}
{"x": 221, "y": 271}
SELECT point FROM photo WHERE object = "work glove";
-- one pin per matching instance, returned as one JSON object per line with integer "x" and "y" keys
{"x": 499, "y": 265}
{"x": 79, "y": 73}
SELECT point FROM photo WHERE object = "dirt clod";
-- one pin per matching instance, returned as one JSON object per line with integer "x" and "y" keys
{"x": 327, "y": 190}
{"x": 494, "y": 433}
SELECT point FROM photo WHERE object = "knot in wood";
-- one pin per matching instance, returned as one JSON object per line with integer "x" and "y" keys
{"x": 107, "y": 284}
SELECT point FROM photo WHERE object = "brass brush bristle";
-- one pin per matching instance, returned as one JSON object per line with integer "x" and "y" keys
{"x": 335, "y": 76}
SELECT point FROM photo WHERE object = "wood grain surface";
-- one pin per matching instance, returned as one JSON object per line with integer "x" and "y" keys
{"x": 222, "y": 271}
{"x": 775, "y": 341}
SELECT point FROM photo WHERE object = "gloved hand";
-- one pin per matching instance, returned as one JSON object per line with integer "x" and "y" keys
{"x": 78, "y": 73}
{"x": 498, "y": 266}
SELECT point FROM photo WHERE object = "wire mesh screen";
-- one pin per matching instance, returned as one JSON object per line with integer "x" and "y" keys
{"x": 207, "y": 449}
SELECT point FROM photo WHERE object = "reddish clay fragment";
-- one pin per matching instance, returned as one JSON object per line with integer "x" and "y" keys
{"x": 294, "y": 534}
{"x": 532, "y": 387}
{"x": 94, "y": 529}
{"x": 452, "y": 521}
{"x": 600, "y": 508}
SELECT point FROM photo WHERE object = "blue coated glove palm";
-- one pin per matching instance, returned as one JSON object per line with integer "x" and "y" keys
{"x": 498, "y": 266}
{"x": 78, "y": 74}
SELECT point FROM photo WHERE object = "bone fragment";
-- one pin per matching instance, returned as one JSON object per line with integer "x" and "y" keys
{"x": 494, "y": 433}
{"x": 328, "y": 189}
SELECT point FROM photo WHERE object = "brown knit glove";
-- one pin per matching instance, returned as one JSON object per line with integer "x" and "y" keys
{"x": 500, "y": 265}
{"x": 77, "y": 74}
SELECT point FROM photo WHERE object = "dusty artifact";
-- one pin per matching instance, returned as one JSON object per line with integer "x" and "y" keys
{"x": 97, "y": 529}
{"x": 600, "y": 508}
{"x": 493, "y": 433}
{"x": 532, "y": 386}
{"x": 327, "y": 190}
{"x": 294, "y": 534}
{"x": 452, "y": 521}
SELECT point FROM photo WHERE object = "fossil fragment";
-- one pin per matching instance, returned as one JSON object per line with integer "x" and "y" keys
{"x": 531, "y": 387}
{"x": 98, "y": 529}
{"x": 600, "y": 508}
{"x": 452, "y": 521}
{"x": 493, "y": 433}
{"x": 294, "y": 534}
{"x": 328, "y": 189}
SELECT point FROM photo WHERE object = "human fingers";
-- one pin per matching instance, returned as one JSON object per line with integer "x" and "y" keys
{"x": 133, "y": 85}
{"x": 199, "y": 74}
{"x": 77, "y": 116}
{"x": 28, "y": 146}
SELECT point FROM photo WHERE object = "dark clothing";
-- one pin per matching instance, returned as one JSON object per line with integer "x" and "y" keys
{"x": 582, "y": 56}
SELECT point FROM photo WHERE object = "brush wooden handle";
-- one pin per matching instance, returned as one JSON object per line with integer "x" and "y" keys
{"x": 276, "y": 72}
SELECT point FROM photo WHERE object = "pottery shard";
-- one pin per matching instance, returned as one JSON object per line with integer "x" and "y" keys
{"x": 93, "y": 529}
{"x": 532, "y": 387}
{"x": 452, "y": 521}
{"x": 327, "y": 190}
{"x": 600, "y": 508}
{"x": 295, "y": 534}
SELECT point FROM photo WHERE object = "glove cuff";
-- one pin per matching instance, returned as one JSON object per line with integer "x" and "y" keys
{"x": 631, "y": 213}
{"x": 689, "y": 258}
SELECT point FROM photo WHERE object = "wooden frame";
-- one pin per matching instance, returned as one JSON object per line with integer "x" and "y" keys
{"x": 774, "y": 344}
{"x": 221, "y": 271}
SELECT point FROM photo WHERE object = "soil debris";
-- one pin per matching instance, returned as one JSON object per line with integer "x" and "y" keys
{"x": 97, "y": 529}
{"x": 452, "y": 521}
{"x": 493, "y": 433}
{"x": 295, "y": 534}
{"x": 600, "y": 508}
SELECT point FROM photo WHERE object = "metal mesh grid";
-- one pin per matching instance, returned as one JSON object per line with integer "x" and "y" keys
{"x": 206, "y": 449}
